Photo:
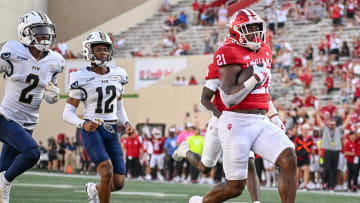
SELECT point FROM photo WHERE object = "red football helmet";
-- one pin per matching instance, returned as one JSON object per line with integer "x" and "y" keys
{"x": 247, "y": 29}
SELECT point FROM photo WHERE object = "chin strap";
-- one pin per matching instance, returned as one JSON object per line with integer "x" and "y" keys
{"x": 93, "y": 66}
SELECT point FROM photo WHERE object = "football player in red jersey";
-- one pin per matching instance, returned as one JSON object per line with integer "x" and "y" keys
{"x": 210, "y": 99}
{"x": 157, "y": 159}
{"x": 243, "y": 125}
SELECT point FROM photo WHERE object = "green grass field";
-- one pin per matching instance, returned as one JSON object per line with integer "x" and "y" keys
{"x": 43, "y": 187}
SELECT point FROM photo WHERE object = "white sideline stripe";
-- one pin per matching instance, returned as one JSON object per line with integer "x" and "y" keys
{"x": 44, "y": 185}
{"x": 152, "y": 194}
{"x": 351, "y": 194}
{"x": 61, "y": 175}
{"x": 320, "y": 192}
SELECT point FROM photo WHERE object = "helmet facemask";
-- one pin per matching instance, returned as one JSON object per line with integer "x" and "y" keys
{"x": 253, "y": 44}
{"x": 32, "y": 31}
{"x": 90, "y": 56}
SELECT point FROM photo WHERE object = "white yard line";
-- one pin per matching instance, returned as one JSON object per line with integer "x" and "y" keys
{"x": 45, "y": 185}
{"x": 149, "y": 194}
{"x": 98, "y": 178}
{"x": 351, "y": 194}
{"x": 61, "y": 175}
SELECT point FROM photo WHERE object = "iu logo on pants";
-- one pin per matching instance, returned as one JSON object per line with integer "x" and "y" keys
{"x": 229, "y": 126}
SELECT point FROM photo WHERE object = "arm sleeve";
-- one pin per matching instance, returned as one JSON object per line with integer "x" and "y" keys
{"x": 121, "y": 113}
{"x": 77, "y": 94}
{"x": 212, "y": 84}
{"x": 70, "y": 116}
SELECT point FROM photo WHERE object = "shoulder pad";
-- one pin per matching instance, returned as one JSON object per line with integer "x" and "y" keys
{"x": 12, "y": 50}
{"x": 228, "y": 54}
{"x": 58, "y": 60}
{"x": 121, "y": 73}
{"x": 213, "y": 72}
{"x": 77, "y": 79}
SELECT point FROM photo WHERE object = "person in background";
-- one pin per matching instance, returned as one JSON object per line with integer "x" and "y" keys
{"x": 195, "y": 9}
{"x": 52, "y": 155}
{"x": 133, "y": 150}
{"x": 169, "y": 148}
{"x": 332, "y": 144}
{"x": 157, "y": 158}
{"x": 352, "y": 158}
{"x": 304, "y": 150}
{"x": 70, "y": 156}
{"x": 61, "y": 144}
{"x": 192, "y": 81}
{"x": 196, "y": 143}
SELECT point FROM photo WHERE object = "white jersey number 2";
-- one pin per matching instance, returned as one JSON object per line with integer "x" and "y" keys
{"x": 34, "y": 81}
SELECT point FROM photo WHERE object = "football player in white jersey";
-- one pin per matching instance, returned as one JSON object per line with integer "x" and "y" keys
{"x": 30, "y": 70}
{"x": 100, "y": 87}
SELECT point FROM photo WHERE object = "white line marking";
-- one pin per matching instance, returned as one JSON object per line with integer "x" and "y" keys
{"x": 44, "y": 185}
{"x": 152, "y": 194}
{"x": 61, "y": 175}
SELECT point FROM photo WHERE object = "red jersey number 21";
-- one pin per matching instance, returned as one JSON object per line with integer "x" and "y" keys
{"x": 220, "y": 59}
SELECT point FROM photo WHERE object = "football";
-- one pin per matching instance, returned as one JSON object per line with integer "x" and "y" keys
{"x": 245, "y": 74}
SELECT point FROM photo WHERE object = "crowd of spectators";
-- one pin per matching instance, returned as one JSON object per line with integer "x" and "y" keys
{"x": 62, "y": 48}
{"x": 182, "y": 81}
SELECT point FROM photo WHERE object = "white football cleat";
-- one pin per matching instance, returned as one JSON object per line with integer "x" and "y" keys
{"x": 5, "y": 187}
{"x": 92, "y": 193}
{"x": 196, "y": 199}
{"x": 180, "y": 152}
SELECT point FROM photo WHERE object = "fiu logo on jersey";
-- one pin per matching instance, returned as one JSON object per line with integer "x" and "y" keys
{"x": 6, "y": 55}
{"x": 35, "y": 68}
{"x": 75, "y": 85}
{"x": 104, "y": 81}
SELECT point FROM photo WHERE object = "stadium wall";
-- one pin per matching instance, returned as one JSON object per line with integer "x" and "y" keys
{"x": 10, "y": 13}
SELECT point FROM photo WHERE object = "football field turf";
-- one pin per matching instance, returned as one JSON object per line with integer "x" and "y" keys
{"x": 45, "y": 187}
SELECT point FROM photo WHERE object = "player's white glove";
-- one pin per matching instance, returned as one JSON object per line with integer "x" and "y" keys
{"x": 261, "y": 72}
{"x": 277, "y": 121}
{"x": 51, "y": 93}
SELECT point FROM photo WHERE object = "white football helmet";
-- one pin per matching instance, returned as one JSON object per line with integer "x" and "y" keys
{"x": 95, "y": 38}
{"x": 36, "y": 23}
